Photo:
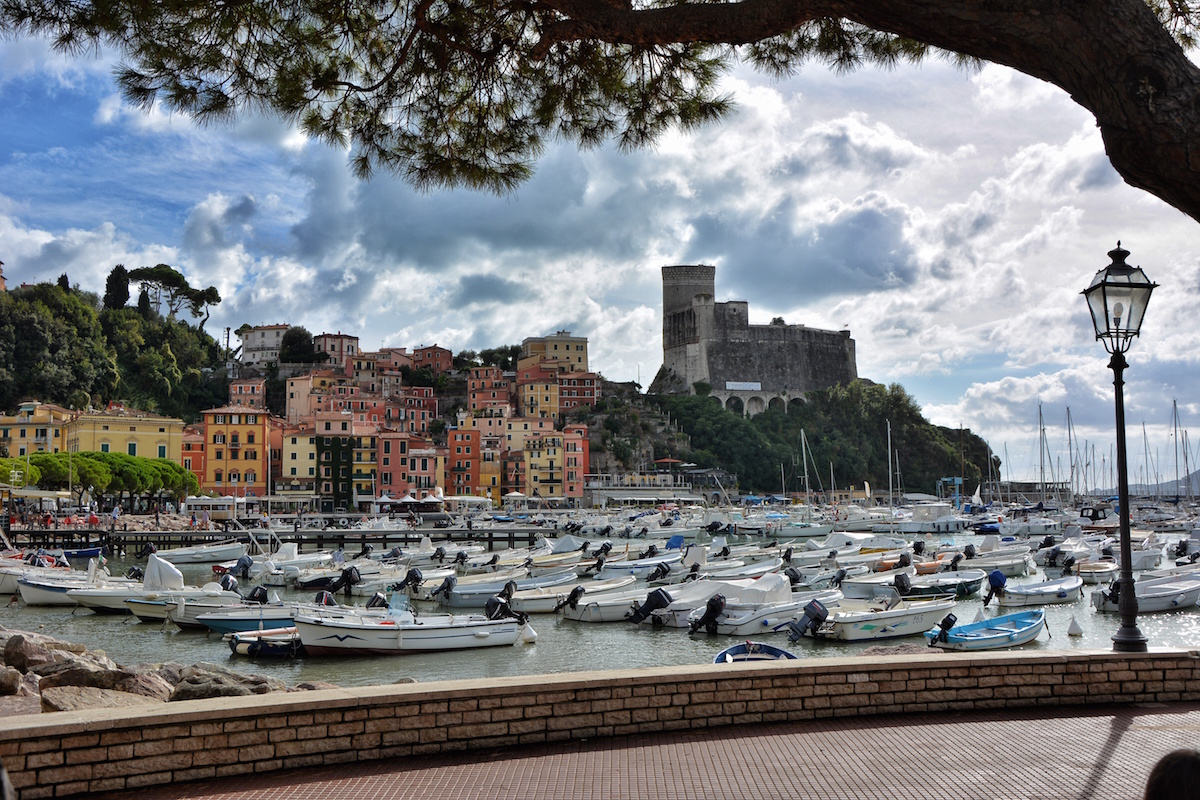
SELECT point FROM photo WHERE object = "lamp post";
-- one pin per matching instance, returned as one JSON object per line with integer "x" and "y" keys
{"x": 1117, "y": 299}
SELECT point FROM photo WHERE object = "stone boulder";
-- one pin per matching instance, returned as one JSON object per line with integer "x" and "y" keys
{"x": 76, "y": 698}
{"x": 148, "y": 684}
{"x": 25, "y": 653}
{"x": 76, "y": 674}
{"x": 10, "y": 681}
{"x": 204, "y": 680}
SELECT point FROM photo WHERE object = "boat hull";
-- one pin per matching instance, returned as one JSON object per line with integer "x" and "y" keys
{"x": 1009, "y": 630}
{"x": 354, "y": 635}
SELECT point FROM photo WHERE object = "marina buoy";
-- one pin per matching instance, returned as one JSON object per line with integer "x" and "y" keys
{"x": 1074, "y": 628}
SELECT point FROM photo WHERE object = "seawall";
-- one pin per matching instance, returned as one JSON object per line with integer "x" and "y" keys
{"x": 71, "y": 753}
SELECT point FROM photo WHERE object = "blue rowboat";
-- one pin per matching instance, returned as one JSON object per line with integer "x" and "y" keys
{"x": 751, "y": 651}
{"x": 1009, "y": 630}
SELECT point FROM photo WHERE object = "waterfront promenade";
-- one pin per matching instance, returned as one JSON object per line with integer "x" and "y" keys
{"x": 1066, "y": 753}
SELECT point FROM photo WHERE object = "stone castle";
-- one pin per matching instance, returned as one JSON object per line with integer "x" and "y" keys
{"x": 748, "y": 367}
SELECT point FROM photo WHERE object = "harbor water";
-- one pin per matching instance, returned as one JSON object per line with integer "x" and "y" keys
{"x": 562, "y": 645}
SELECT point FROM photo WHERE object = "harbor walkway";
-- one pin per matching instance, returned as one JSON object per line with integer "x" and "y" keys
{"x": 1054, "y": 753}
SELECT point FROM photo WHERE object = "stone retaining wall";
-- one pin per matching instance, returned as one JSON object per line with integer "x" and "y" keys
{"x": 55, "y": 755}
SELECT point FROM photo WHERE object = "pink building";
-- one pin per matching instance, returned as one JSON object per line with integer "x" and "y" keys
{"x": 341, "y": 347}
{"x": 248, "y": 392}
{"x": 438, "y": 359}
{"x": 576, "y": 389}
{"x": 487, "y": 387}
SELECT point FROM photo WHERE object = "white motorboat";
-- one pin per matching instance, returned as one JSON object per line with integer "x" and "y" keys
{"x": 885, "y": 616}
{"x": 431, "y": 589}
{"x": 52, "y": 587}
{"x": 1172, "y": 593}
{"x": 864, "y": 587}
{"x": 161, "y": 578}
{"x": 215, "y": 552}
{"x": 547, "y": 599}
{"x": 611, "y": 606}
{"x": 477, "y": 595}
{"x": 183, "y": 607}
{"x": 1066, "y": 589}
{"x": 670, "y": 606}
{"x": 745, "y": 617}
{"x": 1096, "y": 571}
{"x": 274, "y": 613}
{"x": 338, "y": 632}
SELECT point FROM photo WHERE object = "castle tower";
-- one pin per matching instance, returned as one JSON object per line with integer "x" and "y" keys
{"x": 687, "y": 318}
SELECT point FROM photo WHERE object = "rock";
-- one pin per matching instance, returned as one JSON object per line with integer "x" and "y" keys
{"x": 20, "y": 704}
{"x": 313, "y": 686}
{"x": 29, "y": 685}
{"x": 206, "y": 680}
{"x": 149, "y": 684}
{"x": 76, "y": 674}
{"x": 75, "y": 698}
{"x": 23, "y": 653}
{"x": 10, "y": 680}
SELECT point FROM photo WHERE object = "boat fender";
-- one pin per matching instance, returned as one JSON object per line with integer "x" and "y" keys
{"x": 996, "y": 583}
{"x": 813, "y": 618}
{"x": 571, "y": 600}
{"x": 713, "y": 609}
{"x": 902, "y": 583}
{"x": 793, "y": 576}
{"x": 325, "y": 598}
{"x": 257, "y": 595}
{"x": 944, "y": 627}
{"x": 445, "y": 588}
{"x": 228, "y": 583}
{"x": 378, "y": 600}
{"x": 659, "y": 598}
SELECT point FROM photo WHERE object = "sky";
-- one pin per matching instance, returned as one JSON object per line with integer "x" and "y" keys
{"x": 949, "y": 219}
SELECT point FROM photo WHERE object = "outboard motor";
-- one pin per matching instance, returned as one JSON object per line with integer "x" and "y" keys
{"x": 583, "y": 550}
{"x": 228, "y": 583}
{"x": 787, "y": 556}
{"x": 461, "y": 557}
{"x": 571, "y": 600}
{"x": 838, "y": 577}
{"x": 146, "y": 550}
{"x": 445, "y": 588}
{"x": 649, "y": 552}
{"x": 969, "y": 552}
{"x": 349, "y": 577}
{"x": 905, "y": 560}
{"x": 135, "y": 573}
{"x": 954, "y": 562}
{"x": 918, "y": 546}
{"x": 1113, "y": 593}
{"x": 1052, "y": 556}
{"x": 508, "y": 591}
{"x": 604, "y": 549}
{"x": 810, "y": 622}
{"x": 378, "y": 600}
{"x": 693, "y": 573}
{"x": 606, "y": 530}
{"x": 596, "y": 567}
{"x": 1048, "y": 541}
{"x": 439, "y": 555}
{"x": 365, "y": 552}
{"x": 902, "y": 583}
{"x": 394, "y": 554}
{"x": 659, "y": 598}
{"x": 495, "y": 559}
{"x": 61, "y": 561}
{"x": 498, "y": 608}
{"x": 1181, "y": 548}
{"x": 1068, "y": 564}
{"x": 944, "y": 629}
{"x": 996, "y": 583}
{"x": 714, "y": 608}
{"x": 642, "y": 533}
{"x": 724, "y": 552}
{"x": 325, "y": 598}
{"x": 413, "y": 578}
{"x": 1107, "y": 551}
{"x": 242, "y": 568}
{"x": 713, "y": 526}
{"x": 793, "y": 576}
{"x": 257, "y": 595}
{"x": 659, "y": 572}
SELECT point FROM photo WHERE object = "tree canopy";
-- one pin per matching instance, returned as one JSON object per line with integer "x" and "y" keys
{"x": 455, "y": 92}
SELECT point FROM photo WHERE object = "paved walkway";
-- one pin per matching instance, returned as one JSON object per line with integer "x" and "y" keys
{"x": 1091, "y": 753}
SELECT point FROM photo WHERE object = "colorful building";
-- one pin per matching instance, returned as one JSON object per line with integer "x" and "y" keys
{"x": 117, "y": 429}
{"x": 571, "y": 352}
{"x": 341, "y": 347}
{"x": 237, "y": 439}
{"x": 462, "y": 462}
{"x": 260, "y": 344}
{"x": 436, "y": 359}
{"x": 248, "y": 392}
{"x": 35, "y": 428}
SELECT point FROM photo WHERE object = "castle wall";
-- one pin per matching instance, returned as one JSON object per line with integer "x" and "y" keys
{"x": 714, "y": 343}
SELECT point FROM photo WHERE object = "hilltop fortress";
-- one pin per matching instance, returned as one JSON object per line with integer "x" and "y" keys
{"x": 749, "y": 367}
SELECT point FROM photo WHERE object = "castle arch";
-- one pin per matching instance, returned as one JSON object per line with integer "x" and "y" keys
{"x": 796, "y": 403}
{"x": 777, "y": 404}
{"x": 755, "y": 405}
{"x": 735, "y": 405}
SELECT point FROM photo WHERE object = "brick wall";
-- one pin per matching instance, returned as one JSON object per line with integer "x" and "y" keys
{"x": 61, "y": 754}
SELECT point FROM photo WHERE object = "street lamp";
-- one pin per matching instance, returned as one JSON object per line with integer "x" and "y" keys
{"x": 1117, "y": 299}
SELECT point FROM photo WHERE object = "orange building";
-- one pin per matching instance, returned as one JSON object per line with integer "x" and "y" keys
{"x": 237, "y": 446}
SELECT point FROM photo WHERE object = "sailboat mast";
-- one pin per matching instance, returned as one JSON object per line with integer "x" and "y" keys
{"x": 1041, "y": 453}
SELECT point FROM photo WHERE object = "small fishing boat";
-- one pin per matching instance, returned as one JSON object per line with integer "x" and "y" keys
{"x": 1157, "y": 594}
{"x": 884, "y": 616}
{"x": 1009, "y": 630}
{"x": 1066, "y": 589}
{"x": 752, "y": 651}
{"x": 216, "y": 552}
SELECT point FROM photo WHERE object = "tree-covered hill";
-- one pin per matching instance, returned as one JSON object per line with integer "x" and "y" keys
{"x": 60, "y": 344}
{"x": 845, "y": 428}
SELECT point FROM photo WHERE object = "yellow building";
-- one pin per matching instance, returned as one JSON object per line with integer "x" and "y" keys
{"x": 117, "y": 429}
{"x": 569, "y": 352}
{"x": 35, "y": 428}
{"x": 236, "y": 438}
{"x": 544, "y": 465}
{"x": 298, "y": 472}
